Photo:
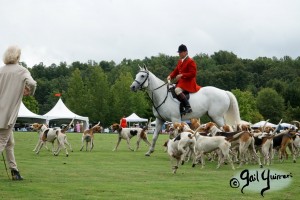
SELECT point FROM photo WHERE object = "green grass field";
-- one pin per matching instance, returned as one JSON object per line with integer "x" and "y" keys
{"x": 104, "y": 174}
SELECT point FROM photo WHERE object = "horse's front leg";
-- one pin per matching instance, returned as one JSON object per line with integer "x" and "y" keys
{"x": 158, "y": 127}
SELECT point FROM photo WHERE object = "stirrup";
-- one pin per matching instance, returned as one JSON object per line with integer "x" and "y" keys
{"x": 186, "y": 110}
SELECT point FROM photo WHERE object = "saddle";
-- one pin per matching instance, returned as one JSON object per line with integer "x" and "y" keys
{"x": 186, "y": 93}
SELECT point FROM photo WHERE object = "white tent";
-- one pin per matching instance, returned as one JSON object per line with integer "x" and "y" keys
{"x": 287, "y": 125}
{"x": 25, "y": 113}
{"x": 60, "y": 111}
{"x": 134, "y": 118}
{"x": 262, "y": 123}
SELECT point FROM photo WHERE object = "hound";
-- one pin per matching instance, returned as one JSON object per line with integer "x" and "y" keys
{"x": 244, "y": 139}
{"x": 50, "y": 135}
{"x": 296, "y": 144}
{"x": 195, "y": 123}
{"x": 42, "y": 137}
{"x": 206, "y": 144}
{"x": 178, "y": 148}
{"x": 88, "y": 136}
{"x": 281, "y": 141}
{"x": 264, "y": 143}
{"x": 128, "y": 133}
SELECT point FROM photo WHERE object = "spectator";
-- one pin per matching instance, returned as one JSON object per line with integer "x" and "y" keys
{"x": 123, "y": 122}
{"x": 15, "y": 82}
{"x": 81, "y": 127}
{"x": 77, "y": 127}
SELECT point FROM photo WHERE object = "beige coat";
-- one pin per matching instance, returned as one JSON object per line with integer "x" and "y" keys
{"x": 13, "y": 79}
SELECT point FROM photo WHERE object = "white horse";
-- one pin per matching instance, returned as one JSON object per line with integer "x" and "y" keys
{"x": 220, "y": 105}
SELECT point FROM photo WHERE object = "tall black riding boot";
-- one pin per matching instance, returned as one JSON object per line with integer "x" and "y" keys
{"x": 187, "y": 107}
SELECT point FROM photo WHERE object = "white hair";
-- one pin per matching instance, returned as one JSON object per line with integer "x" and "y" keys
{"x": 12, "y": 55}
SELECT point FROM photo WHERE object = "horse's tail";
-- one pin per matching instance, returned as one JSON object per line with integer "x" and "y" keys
{"x": 232, "y": 116}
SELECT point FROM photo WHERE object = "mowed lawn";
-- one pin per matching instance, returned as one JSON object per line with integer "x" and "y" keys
{"x": 104, "y": 174}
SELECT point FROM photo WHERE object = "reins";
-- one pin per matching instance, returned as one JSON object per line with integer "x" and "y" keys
{"x": 156, "y": 107}
{"x": 151, "y": 97}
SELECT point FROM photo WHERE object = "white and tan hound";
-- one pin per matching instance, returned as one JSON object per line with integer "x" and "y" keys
{"x": 50, "y": 135}
{"x": 128, "y": 133}
{"x": 88, "y": 136}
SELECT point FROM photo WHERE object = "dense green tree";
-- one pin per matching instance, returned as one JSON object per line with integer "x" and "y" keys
{"x": 259, "y": 65}
{"x": 107, "y": 66}
{"x": 291, "y": 113}
{"x": 270, "y": 104}
{"x": 42, "y": 93}
{"x": 125, "y": 102}
{"x": 78, "y": 98}
{"x": 278, "y": 85}
{"x": 204, "y": 62}
{"x": 98, "y": 87}
{"x": 292, "y": 93}
{"x": 31, "y": 103}
{"x": 38, "y": 71}
{"x": 247, "y": 106}
{"x": 224, "y": 57}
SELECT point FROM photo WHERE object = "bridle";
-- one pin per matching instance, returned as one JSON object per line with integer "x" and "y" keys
{"x": 142, "y": 84}
{"x": 152, "y": 92}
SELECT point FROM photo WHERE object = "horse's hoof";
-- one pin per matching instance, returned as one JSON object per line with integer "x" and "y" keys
{"x": 147, "y": 154}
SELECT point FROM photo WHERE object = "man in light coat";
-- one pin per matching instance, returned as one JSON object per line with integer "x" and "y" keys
{"x": 15, "y": 82}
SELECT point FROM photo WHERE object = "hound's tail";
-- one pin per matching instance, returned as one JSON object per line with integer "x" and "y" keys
{"x": 67, "y": 127}
{"x": 232, "y": 116}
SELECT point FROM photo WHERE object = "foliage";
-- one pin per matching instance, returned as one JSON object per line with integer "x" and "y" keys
{"x": 270, "y": 104}
{"x": 78, "y": 99}
{"x": 247, "y": 106}
{"x": 124, "y": 102}
{"x": 31, "y": 103}
{"x": 100, "y": 90}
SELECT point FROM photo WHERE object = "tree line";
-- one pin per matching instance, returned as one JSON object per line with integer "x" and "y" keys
{"x": 266, "y": 88}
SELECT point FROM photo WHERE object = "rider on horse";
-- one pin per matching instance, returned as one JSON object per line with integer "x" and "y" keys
{"x": 185, "y": 76}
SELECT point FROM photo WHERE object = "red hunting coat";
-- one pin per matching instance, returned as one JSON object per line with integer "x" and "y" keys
{"x": 188, "y": 69}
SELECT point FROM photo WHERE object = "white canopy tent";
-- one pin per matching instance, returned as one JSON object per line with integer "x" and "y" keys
{"x": 287, "y": 125}
{"x": 60, "y": 111}
{"x": 262, "y": 123}
{"x": 135, "y": 118}
{"x": 26, "y": 113}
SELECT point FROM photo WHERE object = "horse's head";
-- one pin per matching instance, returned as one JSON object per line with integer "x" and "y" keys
{"x": 141, "y": 79}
